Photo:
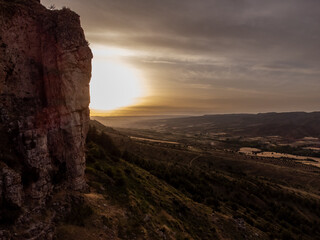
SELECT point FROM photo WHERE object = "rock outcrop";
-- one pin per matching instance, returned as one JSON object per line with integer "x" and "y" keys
{"x": 45, "y": 69}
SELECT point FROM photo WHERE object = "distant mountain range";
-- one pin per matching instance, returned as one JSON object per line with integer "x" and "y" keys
{"x": 289, "y": 125}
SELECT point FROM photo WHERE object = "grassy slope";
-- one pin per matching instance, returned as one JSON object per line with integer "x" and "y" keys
{"x": 130, "y": 203}
{"x": 279, "y": 197}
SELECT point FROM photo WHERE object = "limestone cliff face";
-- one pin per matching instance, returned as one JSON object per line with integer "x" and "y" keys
{"x": 45, "y": 69}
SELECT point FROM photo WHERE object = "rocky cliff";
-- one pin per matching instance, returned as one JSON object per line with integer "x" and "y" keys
{"x": 45, "y": 69}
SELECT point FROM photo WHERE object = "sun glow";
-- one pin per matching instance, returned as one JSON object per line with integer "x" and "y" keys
{"x": 114, "y": 84}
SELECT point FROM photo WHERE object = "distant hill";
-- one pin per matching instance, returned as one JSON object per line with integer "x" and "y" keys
{"x": 289, "y": 125}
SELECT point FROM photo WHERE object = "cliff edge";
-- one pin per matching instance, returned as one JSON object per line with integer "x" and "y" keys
{"x": 45, "y": 69}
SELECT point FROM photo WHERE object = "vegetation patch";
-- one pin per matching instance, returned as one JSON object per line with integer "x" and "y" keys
{"x": 78, "y": 214}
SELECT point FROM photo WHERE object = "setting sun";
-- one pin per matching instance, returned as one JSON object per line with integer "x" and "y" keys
{"x": 114, "y": 83}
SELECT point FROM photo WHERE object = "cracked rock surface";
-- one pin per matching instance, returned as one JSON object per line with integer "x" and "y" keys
{"x": 45, "y": 69}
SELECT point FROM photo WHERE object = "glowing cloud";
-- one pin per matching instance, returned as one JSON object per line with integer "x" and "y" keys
{"x": 114, "y": 83}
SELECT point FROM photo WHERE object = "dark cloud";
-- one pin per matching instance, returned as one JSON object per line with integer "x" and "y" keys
{"x": 266, "y": 51}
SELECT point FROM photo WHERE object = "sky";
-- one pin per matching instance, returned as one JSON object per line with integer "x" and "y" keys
{"x": 196, "y": 57}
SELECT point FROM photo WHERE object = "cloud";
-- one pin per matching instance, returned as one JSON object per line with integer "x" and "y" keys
{"x": 206, "y": 48}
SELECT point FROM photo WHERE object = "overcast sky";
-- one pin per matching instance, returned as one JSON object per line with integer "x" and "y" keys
{"x": 210, "y": 56}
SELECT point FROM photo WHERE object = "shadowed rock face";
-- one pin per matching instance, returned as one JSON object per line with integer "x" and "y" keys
{"x": 45, "y": 69}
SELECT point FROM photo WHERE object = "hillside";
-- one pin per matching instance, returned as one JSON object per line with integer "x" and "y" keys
{"x": 143, "y": 190}
{"x": 129, "y": 202}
